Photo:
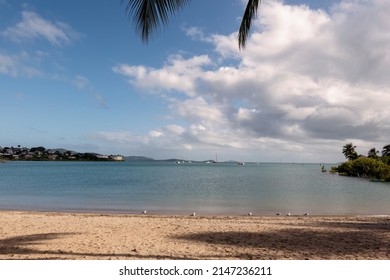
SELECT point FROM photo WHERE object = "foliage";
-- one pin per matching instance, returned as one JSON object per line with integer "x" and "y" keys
{"x": 249, "y": 14}
{"x": 373, "y": 153}
{"x": 149, "y": 15}
{"x": 373, "y": 166}
{"x": 333, "y": 170}
{"x": 365, "y": 168}
{"x": 385, "y": 160}
{"x": 349, "y": 151}
{"x": 386, "y": 151}
{"x": 38, "y": 149}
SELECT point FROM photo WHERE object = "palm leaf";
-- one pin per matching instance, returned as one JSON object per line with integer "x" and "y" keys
{"x": 386, "y": 151}
{"x": 149, "y": 15}
{"x": 249, "y": 14}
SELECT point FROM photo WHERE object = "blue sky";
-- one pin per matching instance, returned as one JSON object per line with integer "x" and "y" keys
{"x": 313, "y": 77}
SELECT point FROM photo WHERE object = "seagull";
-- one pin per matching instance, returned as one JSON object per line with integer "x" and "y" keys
{"x": 278, "y": 214}
{"x": 288, "y": 214}
{"x": 144, "y": 212}
{"x": 193, "y": 214}
{"x": 306, "y": 214}
{"x": 250, "y": 214}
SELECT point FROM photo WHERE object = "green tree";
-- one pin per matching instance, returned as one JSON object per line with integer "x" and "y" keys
{"x": 349, "y": 151}
{"x": 373, "y": 153}
{"x": 365, "y": 168}
{"x": 386, "y": 154}
{"x": 386, "y": 151}
{"x": 39, "y": 149}
{"x": 149, "y": 15}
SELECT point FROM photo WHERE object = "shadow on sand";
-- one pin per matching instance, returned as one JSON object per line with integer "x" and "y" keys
{"x": 321, "y": 240}
{"x": 316, "y": 241}
{"x": 21, "y": 245}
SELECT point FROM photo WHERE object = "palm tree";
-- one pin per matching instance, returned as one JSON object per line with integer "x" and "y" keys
{"x": 386, "y": 151}
{"x": 150, "y": 15}
{"x": 349, "y": 151}
{"x": 373, "y": 153}
{"x": 246, "y": 22}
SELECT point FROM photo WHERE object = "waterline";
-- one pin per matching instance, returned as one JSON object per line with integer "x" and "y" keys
{"x": 168, "y": 188}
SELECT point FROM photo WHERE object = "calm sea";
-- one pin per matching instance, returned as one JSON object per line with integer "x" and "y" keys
{"x": 169, "y": 188}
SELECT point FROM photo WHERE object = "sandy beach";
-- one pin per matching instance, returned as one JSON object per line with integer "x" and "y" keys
{"x": 39, "y": 235}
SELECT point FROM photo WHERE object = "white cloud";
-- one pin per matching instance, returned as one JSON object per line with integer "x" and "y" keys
{"x": 155, "y": 133}
{"x": 175, "y": 129}
{"x": 33, "y": 26}
{"x": 118, "y": 136}
{"x": 226, "y": 46}
{"x": 84, "y": 84}
{"x": 307, "y": 82}
{"x": 20, "y": 64}
{"x": 179, "y": 74}
{"x": 81, "y": 82}
{"x": 196, "y": 34}
{"x": 7, "y": 65}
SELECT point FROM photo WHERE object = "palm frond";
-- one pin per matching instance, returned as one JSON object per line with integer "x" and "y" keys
{"x": 149, "y": 15}
{"x": 249, "y": 14}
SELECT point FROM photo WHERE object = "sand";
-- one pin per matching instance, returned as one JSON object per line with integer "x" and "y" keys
{"x": 38, "y": 235}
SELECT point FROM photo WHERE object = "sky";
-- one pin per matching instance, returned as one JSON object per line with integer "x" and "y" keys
{"x": 314, "y": 76}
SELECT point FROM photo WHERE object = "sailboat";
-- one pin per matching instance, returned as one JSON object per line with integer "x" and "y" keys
{"x": 213, "y": 161}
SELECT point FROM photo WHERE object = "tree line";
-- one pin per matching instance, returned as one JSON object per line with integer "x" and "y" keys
{"x": 376, "y": 165}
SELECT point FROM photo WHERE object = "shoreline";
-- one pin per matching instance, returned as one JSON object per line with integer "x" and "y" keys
{"x": 78, "y": 236}
{"x": 156, "y": 213}
{"x": 180, "y": 213}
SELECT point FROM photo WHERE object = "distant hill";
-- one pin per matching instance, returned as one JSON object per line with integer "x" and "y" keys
{"x": 142, "y": 158}
{"x": 172, "y": 160}
{"x": 138, "y": 158}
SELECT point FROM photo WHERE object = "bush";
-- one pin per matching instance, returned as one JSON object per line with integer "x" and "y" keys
{"x": 386, "y": 160}
{"x": 366, "y": 168}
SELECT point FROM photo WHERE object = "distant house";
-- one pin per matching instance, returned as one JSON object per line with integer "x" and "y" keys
{"x": 117, "y": 158}
{"x": 52, "y": 157}
{"x": 102, "y": 156}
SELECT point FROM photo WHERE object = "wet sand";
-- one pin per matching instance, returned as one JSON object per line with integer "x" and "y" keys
{"x": 77, "y": 236}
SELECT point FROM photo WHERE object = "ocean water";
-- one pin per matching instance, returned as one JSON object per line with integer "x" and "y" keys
{"x": 169, "y": 188}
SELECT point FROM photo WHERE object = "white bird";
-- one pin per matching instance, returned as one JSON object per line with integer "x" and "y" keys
{"x": 288, "y": 214}
{"x": 250, "y": 214}
{"x": 306, "y": 214}
{"x": 193, "y": 214}
{"x": 144, "y": 212}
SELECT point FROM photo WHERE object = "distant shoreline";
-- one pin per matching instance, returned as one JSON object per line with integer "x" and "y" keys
{"x": 42, "y": 154}
{"x": 177, "y": 161}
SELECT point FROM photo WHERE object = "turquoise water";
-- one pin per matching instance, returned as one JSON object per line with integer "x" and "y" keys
{"x": 169, "y": 188}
